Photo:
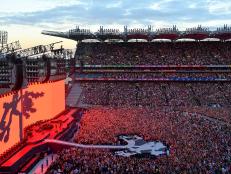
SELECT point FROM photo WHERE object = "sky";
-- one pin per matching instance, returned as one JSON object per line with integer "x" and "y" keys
{"x": 25, "y": 19}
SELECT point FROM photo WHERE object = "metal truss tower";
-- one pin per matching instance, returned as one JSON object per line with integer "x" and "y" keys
{"x": 3, "y": 37}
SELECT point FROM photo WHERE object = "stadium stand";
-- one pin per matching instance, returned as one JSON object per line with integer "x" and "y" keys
{"x": 189, "y": 112}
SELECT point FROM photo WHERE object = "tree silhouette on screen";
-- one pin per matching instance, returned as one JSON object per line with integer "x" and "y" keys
{"x": 10, "y": 111}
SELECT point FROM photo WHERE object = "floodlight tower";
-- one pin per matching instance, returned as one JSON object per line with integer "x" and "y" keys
{"x": 3, "y": 37}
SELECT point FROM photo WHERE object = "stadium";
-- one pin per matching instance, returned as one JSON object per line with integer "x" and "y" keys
{"x": 132, "y": 101}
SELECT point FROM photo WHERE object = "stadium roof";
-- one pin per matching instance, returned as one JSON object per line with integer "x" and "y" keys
{"x": 197, "y": 33}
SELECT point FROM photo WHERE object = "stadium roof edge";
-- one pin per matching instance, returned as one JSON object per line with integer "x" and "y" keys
{"x": 197, "y": 33}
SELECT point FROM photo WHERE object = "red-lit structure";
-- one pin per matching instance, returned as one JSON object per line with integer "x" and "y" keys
{"x": 27, "y": 106}
{"x": 30, "y": 80}
{"x": 24, "y": 155}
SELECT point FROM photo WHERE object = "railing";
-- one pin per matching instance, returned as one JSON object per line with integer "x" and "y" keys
{"x": 170, "y": 79}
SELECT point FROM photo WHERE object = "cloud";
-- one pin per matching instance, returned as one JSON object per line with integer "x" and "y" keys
{"x": 30, "y": 17}
{"x": 15, "y": 6}
{"x": 63, "y": 14}
{"x": 114, "y": 5}
{"x": 219, "y": 7}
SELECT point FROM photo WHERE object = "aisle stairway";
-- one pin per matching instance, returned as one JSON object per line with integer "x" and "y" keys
{"x": 74, "y": 95}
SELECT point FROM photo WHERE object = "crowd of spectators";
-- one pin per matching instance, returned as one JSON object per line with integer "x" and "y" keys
{"x": 191, "y": 117}
{"x": 93, "y": 161}
{"x": 165, "y": 53}
{"x": 150, "y": 75}
{"x": 197, "y": 144}
{"x": 157, "y": 94}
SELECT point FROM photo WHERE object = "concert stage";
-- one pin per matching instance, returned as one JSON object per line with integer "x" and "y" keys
{"x": 63, "y": 125}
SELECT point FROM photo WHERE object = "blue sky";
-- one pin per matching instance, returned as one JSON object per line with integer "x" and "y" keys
{"x": 29, "y": 17}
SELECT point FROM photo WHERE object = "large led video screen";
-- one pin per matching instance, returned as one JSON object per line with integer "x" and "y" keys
{"x": 34, "y": 103}
{"x": 43, "y": 102}
{"x": 10, "y": 114}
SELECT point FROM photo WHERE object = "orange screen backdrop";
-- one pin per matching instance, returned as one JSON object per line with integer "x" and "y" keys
{"x": 49, "y": 101}
{"x": 36, "y": 102}
{"x": 9, "y": 124}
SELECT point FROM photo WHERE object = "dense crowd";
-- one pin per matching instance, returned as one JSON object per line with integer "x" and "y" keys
{"x": 150, "y": 75}
{"x": 197, "y": 144}
{"x": 192, "y": 118}
{"x": 156, "y": 94}
{"x": 92, "y": 161}
{"x": 168, "y": 53}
